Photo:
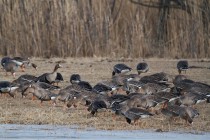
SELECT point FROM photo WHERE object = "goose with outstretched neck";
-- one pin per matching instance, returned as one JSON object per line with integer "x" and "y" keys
{"x": 49, "y": 78}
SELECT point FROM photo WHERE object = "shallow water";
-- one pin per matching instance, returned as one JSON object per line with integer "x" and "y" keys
{"x": 12, "y": 131}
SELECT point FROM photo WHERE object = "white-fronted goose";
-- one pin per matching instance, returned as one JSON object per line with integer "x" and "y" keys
{"x": 97, "y": 105}
{"x": 130, "y": 113}
{"x": 190, "y": 98}
{"x": 49, "y": 78}
{"x": 7, "y": 87}
{"x": 152, "y": 88}
{"x": 101, "y": 89}
{"x": 11, "y": 67}
{"x": 142, "y": 67}
{"x": 132, "y": 86}
{"x": 168, "y": 96}
{"x": 135, "y": 114}
{"x": 161, "y": 77}
{"x": 186, "y": 113}
{"x": 42, "y": 94}
{"x": 22, "y": 62}
{"x": 5, "y": 60}
{"x": 182, "y": 65}
{"x": 26, "y": 78}
{"x": 68, "y": 97}
{"x": 76, "y": 79}
{"x": 120, "y": 69}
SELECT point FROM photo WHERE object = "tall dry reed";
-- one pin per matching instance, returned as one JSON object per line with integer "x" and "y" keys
{"x": 111, "y": 28}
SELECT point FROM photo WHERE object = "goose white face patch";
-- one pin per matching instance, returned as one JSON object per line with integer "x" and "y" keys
{"x": 53, "y": 98}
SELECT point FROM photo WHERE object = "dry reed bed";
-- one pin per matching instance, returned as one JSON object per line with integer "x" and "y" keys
{"x": 103, "y": 28}
{"x": 25, "y": 111}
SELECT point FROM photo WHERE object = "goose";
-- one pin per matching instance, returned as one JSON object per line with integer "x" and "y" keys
{"x": 145, "y": 101}
{"x": 135, "y": 114}
{"x": 42, "y": 94}
{"x": 76, "y": 79}
{"x": 107, "y": 87}
{"x": 23, "y": 82}
{"x": 101, "y": 89}
{"x": 130, "y": 113}
{"x": 182, "y": 65}
{"x": 190, "y": 98}
{"x": 168, "y": 96}
{"x": 160, "y": 77}
{"x": 59, "y": 78}
{"x": 25, "y": 78}
{"x": 22, "y": 62}
{"x": 77, "y": 99}
{"x": 118, "y": 82}
{"x": 142, "y": 67}
{"x": 72, "y": 90}
{"x": 152, "y": 88}
{"x": 132, "y": 86}
{"x": 104, "y": 102}
{"x": 11, "y": 67}
{"x": 184, "y": 85}
{"x": 186, "y": 113}
{"x": 5, "y": 60}
{"x": 179, "y": 78}
{"x": 118, "y": 98}
{"x": 49, "y": 78}
{"x": 120, "y": 69}
{"x": 7, "y": 87}
{"x": 68, "y": 97}
{"x": 97, "y": 105}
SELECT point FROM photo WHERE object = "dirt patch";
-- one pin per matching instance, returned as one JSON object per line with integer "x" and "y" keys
{"x": 26, "y": 111}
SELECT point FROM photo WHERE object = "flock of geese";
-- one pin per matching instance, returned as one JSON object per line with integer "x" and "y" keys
{"x": 129, "y": 95}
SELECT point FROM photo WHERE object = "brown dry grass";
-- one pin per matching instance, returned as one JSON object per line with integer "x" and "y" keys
{"x": 25, "y": 111}
{"x": 103, "y": 28}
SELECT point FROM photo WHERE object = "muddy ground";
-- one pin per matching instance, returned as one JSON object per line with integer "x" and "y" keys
{"x": 26, "y": 111}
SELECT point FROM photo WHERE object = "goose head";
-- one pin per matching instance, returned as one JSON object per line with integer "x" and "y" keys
{"x": 57, "y": 66}
{"x": 75, "y": 78}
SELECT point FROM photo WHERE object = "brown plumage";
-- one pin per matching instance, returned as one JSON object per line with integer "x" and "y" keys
{"x": 49, "y": 77}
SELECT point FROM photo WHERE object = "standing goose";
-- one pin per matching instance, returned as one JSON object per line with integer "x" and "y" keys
{"x": 49, "y": 78}
{"x": 182, "y": 65}
{"x": 120, "y": 68}
{"x": 142, "y": 68}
